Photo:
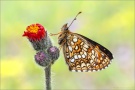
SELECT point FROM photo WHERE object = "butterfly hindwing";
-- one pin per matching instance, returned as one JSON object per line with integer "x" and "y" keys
{"x": 84, "y": 55}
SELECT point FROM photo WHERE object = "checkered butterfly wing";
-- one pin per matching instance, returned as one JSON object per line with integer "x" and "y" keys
{"x": 84, "y": 55}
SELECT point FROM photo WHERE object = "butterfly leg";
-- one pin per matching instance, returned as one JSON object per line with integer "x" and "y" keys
{"x": 55, "y": 34}
{"x": 62, "y": 44}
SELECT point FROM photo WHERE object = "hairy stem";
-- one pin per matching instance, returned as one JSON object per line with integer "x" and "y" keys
{"x": 48, "y": 77}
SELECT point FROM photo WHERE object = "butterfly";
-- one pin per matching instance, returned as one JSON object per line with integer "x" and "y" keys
{"x": 81, "y": 53}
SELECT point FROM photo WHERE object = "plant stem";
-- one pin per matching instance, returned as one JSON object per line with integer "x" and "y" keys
{"x": 48, "y": 77}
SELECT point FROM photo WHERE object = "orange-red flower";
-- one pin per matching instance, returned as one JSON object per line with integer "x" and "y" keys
{"x": 35, "y": 32}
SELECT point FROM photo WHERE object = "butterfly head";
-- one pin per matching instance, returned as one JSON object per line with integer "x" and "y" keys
{"x": 63, "y": 35}
{"x": 65, "y": 32}
{"x": 64, "y": 27}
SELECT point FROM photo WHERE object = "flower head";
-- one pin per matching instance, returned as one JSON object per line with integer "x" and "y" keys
{"x": 35, "y": 32}
{"x": 38, "y": 37}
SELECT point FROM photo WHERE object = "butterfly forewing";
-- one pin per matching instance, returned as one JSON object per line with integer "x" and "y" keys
{"x": 84, "y": 55}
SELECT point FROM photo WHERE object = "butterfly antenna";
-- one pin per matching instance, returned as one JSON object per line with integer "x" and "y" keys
{"x": 74, "y": 19}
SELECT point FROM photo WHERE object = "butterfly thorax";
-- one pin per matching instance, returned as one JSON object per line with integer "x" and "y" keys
{"x": 63, "y": 35}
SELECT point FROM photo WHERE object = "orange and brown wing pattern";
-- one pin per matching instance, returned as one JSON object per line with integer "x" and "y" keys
{"x": 84, "y": 55}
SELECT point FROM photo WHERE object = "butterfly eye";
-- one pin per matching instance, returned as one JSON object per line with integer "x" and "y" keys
{"x": 66, "y": 28}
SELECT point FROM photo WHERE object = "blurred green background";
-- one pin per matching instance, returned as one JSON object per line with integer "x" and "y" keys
{"x": 110, "y": 23}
